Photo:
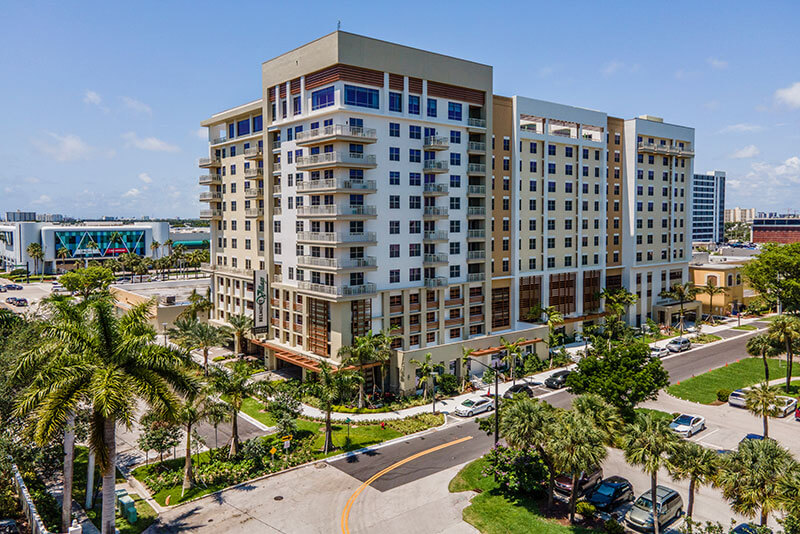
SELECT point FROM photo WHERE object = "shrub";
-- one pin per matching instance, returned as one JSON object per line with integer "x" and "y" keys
{"x": 488, "y": 376}
{"x": 533, "y": 364}
{"x": 723, "y": 394}
{"x": 585, "y": 509}
{"x": 420, "y": 422}
{"x": 612, "y": 527}
{"x": 448, "y": 384}
{"x": 517, "y": 471}
{"x": 285, "y": 408}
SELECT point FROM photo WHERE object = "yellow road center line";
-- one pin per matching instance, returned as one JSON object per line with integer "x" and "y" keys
{"x": 376, "y": 476}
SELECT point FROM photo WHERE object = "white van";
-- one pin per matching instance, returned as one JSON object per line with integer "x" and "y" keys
{"x": 737, "y": 398}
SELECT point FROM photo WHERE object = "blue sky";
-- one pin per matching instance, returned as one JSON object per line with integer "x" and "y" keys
{"x": 102, "y": 100}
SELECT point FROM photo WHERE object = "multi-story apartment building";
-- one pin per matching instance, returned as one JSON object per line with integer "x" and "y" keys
{"x": 735, "y": 215}
{"x": 708, "y": 207}
{"x": 378, "y": 186}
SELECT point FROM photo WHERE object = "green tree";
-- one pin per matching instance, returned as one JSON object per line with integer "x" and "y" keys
{"x": 712, "y": 290}
{"x": 383, "y": 352}
{"x": 463, "y": 367}
{"x": 241, "y": 325}
{"x": 359, "y": 354}
{"x": 192, "y": 334}
{"x": 762, "y": 346}
{"x": 785, "y": 331}
{"x": 285, "y": 409}
{"x": 762, "y": 401}
{"x": 88, "y": 281}
{"x": 681, "y": 293}
{"x": 330, "y": 386}
{"x": 578, "y": 448}
{"x": 235, "y": 386}
{"x": 775, "y": 275}
{"x": 157, "y": 434}
{"x": 737, "y": 231}
{"x": 513, "y": 352}
{"x": 154, "y": 246}
{"x": 648, "y": 443}
{"x": 62, "y": 254}
{"x": 750, "y": 477}
{"x": 195, "y": 408}
{"x": 693, "y": 462}
{"x": 425, "y": 370}
{"x": 107, "y": 363}
{"x": 198, "y": 304}
{"x": 605, "y": 416}
{"x": 623, "y": 374}
{"x": 34, "y": 250}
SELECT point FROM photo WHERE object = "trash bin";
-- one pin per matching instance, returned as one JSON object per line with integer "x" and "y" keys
{"x": 130, "y": 514}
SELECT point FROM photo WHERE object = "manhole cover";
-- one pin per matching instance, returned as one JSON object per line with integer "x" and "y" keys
{"x": 279, "y": 497}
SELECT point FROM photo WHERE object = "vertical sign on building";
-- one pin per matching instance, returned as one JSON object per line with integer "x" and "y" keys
{"x": 260, "y": 310}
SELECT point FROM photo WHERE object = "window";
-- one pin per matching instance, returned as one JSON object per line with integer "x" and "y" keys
{"x": 455, "y": 159}
{"x": 394, "y": 227}
{"x": 414, "y": 274}
{"x": 394, "y": 276}
{"x": 414, "y": 132}
{"x": 414, "y": 250}
{"x": 533, "y": 166}
{"x": 551, "y": 187}
{"x": 568, "y": 151}
{"x": 414, "y": 155}
{"x": 258, "y": 123}
{"x": 396, "y": 102}
{"x": 322, "y": 98}
{"x": 243, "y": 127}
{"x": 413, "y": 104}
{"x": 394, "y": 153}
{"x": 551, "y": 150}
{"x": 394, "y": 129}
{"x": 414, "y": 178}
{"x": 455, "y": 180}
{"x": 297, "y": 105}
{"x": 455, "y": 248}
{"x": 414, "y": 227}
{"x": 568, "y": 170}
{"x": 414, "y": 202}
{"x": 455, "y": 271}
{"x": 394, "y": 202}
{"x": 551, "y": 168}
{"x": 454, "y": 111}
{"x": 394, "y": 251}
{"x": 361, "y": 97}
{"x": 431, "y": 107}
{"x": 394, "y": 178}
{"x": 455, "y": 227}
{"x": 455, "y": 203}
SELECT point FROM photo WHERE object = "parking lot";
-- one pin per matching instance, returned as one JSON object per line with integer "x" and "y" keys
{"x": 34, "y": 293}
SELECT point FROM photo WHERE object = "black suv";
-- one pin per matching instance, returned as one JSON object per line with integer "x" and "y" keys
{"x": 518, "y": 388}
{"x": 557, "y": 380}
{"x": 610, "y": 493}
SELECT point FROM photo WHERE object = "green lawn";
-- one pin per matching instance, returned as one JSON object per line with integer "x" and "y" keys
{"x": 745, "y": 327}
{"x": 145, "y": 517}
{"x": 703, "y": 388}
{"x": 656, "y": 413}
{"x": 255, "y": 409}
{"x": 491, "y": 512}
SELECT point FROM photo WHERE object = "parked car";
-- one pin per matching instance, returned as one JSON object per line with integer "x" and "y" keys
{"x": 11, "y": 300}
{"x": 611, "y": 493}
{"x": 679, "y": 345}
{"x": 688, "y": 425}
{"x": 737, "y": 398}
{"x": 586, "y": 482}
{"x": 748, "y": 528}
{"x": 13, "y": 287}
{"x": 474, "y": 405}
{"x": 3, "y": 289}
{"x": 518, "y": 388}
{"x": 557, "y": 380}
{"x": 669, "y": 505}
{"x": 750, "y": 436}
{"x": 659, "y": 352}
{"x": 21, "y": 302}
{"x": 786, "y": 405}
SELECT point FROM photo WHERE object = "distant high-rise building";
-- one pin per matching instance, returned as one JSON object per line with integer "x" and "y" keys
{"x": 745, "y": 215}
{"x": 708, "y": 207}
{"x": 20, "y": 216}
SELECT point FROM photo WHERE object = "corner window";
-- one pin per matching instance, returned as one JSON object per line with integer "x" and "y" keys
{"x": 322, "y": 98}
{"x": 361, "y": 97}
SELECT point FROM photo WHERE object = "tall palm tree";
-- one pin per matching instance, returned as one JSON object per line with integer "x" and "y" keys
{"x": 711, "y": 289}
{"x": 195, "y": 408}
{"x": 513, "y": 352}
{"x": 696, "y": 463}
{"x": 463, "y": 367}
{"x": 198, "y": 304}
{"x": 383, "y": 353}
{"x": 62, "y": 254}
{"x": 426, "y": 370}
{"x": 168, "y": 243}
{"x": 34, "y": 250}
{"x": 761, "y": 345}
{"x": 681, "y": 293}
{"x": 554, "y": 318}
{"x": 648, "y": 443}
{"x": 235, "y": 385}
{"x": 191, "y": 334}
{"x": 528, "y": 422}
{"x": 789, "y": 492}
{"x": 154, "y": 246}
{"x": 359, "y": 354}
{"x": 750, "y": 477}
{"x": 240, "y": 325}
{"x": 578, "y": 448}
{"x": 762, "y": 401}
{"x": 785, "y": 331}
{"x": 604, "y": 416}
{"x": 106, "y": 362}
{"x": 332, "y": 385}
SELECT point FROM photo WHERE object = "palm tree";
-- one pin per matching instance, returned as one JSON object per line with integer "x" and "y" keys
{"x": 528, "y": 422}
{"x": 513, "y": 352}
{"x": 578, "y": 448}
{"x": 106, "y": 362}
{"x": 785, "y": 331}
{"x": 712, "y": 290}
{"x": 359, "y": 354}
{"x": 383, "y": 353}
{"x": 62, "y": 253}
{"x": 34, "y": 250}
{"x": 761, "y": 345}
{"x": 154, "y": 246}
{"x": 604, "y": 416}
{"x": 762, "y": 401}
{"x": 553, "y": 319}
{"x": 235, "y": 385}
{"x": 332, "y": 385}
{"x": 463, "y": 367}
{"x": 750, "y": 477}
{"x": 199, "y": 304}
{"x": 696, "y": 463}
{"x": 195, "y": 408}
{"x": 682, "y": 293}
{"x": 191, "y": 334}
{"x": 240, "y": 325}
{"x": 168, "y": 243}
{"x": 789, "y": 491}
{"x": 425, "y": 370}
{"x": 648, "y": 443}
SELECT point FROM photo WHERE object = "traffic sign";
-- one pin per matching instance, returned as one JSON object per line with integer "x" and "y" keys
{"x": 287, "y": 438}
{"x": 287, "y": 444}
{"x": 273, "y": 450}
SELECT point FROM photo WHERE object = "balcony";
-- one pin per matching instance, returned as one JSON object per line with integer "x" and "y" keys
{"x": 334, "y": 210}
{"x": 252, "y": 213}
{"x": 276, "y": 145}
{"x": 336, "y": 132}
{"x": 210, "y": 214}
{"x": 473, "y": 255}
{"x": 476, "y": 147}
{"x": 436, "y": 142}
{"x": 336, "y": 185}
{"x": 476, "y": 168}
{"x": 455, "y": 321}
{"x": 434, "y": 259}
{"x": 218, "y": 140}
{"x": 434, "y": 212}
{"x": 454, "y": 302}
{"x": 277, "y": 279}
{"x": 476, "y": 190}
{"x": 476, "y": 277}
{"x": 437, "y": 281}
{"x": 675, "y": 150}
{"x": 208, "y": 163}
{"x": 436, "y": 166}
{"x": 474, "y": 299}
{"x": 367, "y": 262}
{"x": 253, "y": 153}
{"x": 438, "y": 235}
{"x": 476, "y": 234}
{"x": 254, "y": 172}
{"x": 276, "y": 210}
{"x": 476, "y": 318}
{"x": 254, "y": 192}
{"x": 210, "y": 179}
{"x": 276, "y": 167}
{"x": 276, "y": 189}
{"x": 297, "y": 328}
{"x": 479, "y": 124}
{"x": 435, "y": 189}
{"x": 337, "y": 291}
{"x": 208, "y": 196}
{"x": 225, "y": 269}
{"x": 336, "y": 237}
{"x": 354, "y": 160}
{"x": 476, "y": 211}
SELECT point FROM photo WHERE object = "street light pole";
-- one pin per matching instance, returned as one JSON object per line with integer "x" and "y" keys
{"x": 496, "y": 398}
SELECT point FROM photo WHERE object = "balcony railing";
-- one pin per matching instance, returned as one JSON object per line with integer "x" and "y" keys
{"x": 434, "y": 165}
{"x": 436, "y": 142}
{"x": 276, "y": 210}
{"x": 226, "y": 269}
{"x": 343, "y": 158}
{"x": 334, "y": 183}
{"x": 253, "y": 152}
{"x": 254, "y": 212}
{"x": 434, "y": 189}
{"x": 437, "y": 281}
{"x": 338, "y": 291}
{"x": 337, "y": 237}
{"x": 210, "y": 214}
{"x": 476, "y": 255}
{"x": 338, "y": 263}
{"x": 337, "y": 130}
{"x": 277, "y": 279}
{"x": 210, "y": 179}
{"x": 476, "y": 277}
{"x": 435, "y": 211}
{"x": 434, "y": 258}
{"x": 208, "y": 196}
{"x": 254, "y": 192}
{"x": 276, "y": 189}
{"x": 209, "y": 162}
{"x": 476, "y": 190}
{"x": 476, "y": 210}
{"x": 438, "y": 235}
{"x": 252, "y": 172}
{"x": 476, "y": 123}
{"x": 476, "y": 146}
{"x": 476, "y": 168}
{"x": 276, "y": 145}
{"x": 333, "y": 210}
{"x": 476, "y": 234}
{"x": 276, "y": 167}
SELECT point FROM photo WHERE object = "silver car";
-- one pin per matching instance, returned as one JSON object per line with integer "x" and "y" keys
{"x": 474, "y": 405}
{"x": 786, "y": 405}
{"x": 668, "y": 504}
{"x": 659, "y": 352}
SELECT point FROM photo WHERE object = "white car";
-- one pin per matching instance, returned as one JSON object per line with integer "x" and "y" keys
{"x": 474, "y": 405}
{"x": 786, "y": 405}
{"x": 688, "y": 425}
{"x": 659, "y": 352}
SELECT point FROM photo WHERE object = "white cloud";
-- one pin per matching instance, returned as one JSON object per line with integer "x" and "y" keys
{"x": 612, "y": 67}
{"x": 132, "y": 193}
{"x": 750, "y": 151}
{"x": 789, "y": 96}
{"x": 202, "y": 133}
{"x": 741, "y": 128}
{"x": 92, "y": 97}
{"x": 43, "y": 199}
{"x": 717, "y": 64}
{"x": 136, "y": 105}
{"x": 145, "y": 178}
{"x": 148, "y": 143}
{"x": 63, "y": 147}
